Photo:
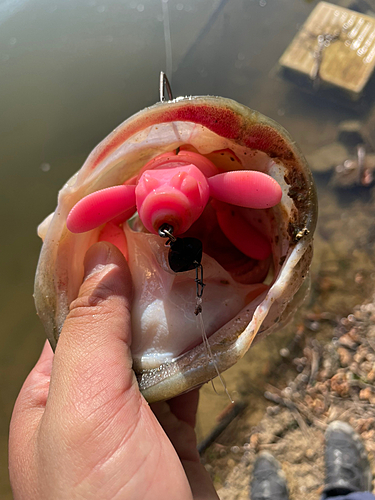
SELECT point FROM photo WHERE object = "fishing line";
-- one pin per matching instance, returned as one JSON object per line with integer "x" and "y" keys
{"x": 167, "y": 38}
{"x": 185, "y": 254}
{"x": 198, "y": 307}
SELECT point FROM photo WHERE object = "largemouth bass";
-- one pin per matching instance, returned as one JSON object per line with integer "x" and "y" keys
{"x": 244, "y": 297}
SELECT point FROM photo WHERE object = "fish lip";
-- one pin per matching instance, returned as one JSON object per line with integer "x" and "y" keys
{"x": 234, "y": 121}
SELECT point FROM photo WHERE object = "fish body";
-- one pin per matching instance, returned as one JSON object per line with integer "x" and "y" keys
{"x": 243, "y": 298}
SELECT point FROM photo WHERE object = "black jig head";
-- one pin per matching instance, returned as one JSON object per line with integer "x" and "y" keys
{"x": 185, "y": 254}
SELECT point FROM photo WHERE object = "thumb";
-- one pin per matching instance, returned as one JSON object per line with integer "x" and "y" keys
{"x": 93, "y": 358}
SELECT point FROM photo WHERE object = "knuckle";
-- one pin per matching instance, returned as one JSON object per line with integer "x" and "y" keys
{"x": 94, "y": 301}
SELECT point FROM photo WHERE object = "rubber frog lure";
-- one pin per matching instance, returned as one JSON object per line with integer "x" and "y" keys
{"x": 170, "y": 194}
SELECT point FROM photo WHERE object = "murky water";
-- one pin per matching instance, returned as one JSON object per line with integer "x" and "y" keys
{"x": 71, "y": 70}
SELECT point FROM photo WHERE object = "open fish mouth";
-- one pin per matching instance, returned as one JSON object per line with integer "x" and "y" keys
{"x": 245, "y": 295}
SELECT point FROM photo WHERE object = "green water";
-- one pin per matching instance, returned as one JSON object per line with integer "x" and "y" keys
{"x": 71, "y": 70}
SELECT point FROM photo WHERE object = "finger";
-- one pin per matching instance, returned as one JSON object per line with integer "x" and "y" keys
{"x": 185, "y": 406}
{"x": 28, "y": 411}
{"x": 33, "y": 395}
{"x": 93, "y": 363}
{"x": 177, "y": 417}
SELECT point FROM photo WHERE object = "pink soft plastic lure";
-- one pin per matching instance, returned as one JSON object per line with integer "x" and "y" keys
{"x": 174, "y": 189}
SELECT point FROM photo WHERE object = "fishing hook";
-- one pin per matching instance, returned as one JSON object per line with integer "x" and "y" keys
{"x": 164, "y": 85}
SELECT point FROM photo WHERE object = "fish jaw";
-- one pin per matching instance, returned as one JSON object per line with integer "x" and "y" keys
{"x": 233, "y": 340}
{"x": 207, "y": 124}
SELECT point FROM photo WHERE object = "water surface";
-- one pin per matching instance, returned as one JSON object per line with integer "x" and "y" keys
{"x": 72, "y": 70}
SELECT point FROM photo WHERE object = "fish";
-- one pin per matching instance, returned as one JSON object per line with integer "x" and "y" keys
{"x": 245, "y": 297}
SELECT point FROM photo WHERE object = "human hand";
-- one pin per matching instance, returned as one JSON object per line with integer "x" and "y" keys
{"x": 81, "y": 428}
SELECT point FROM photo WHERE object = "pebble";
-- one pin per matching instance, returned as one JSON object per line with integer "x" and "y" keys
{"x": 364, "y": 424}
{"x": 353, "y": 367}
{"x": 368, "y": 436}
{"x": 284, "y": 352}
{"x": 310, "y": 454}
{"x": 340, "y": 385}
{"x": 360, "y": 355}
{"x": 322, "y": 160}
{"x": 345, "y": 356}
{"x": 371, "y": 376}
{"x": 349, "y": 133}
{"x": 272, "y": 410}
{"x": 353, "y": 334}
{"x": 347, "y": 341}
{"x": 367, "y": 394}
{"x": 318, "y": 406}
{"x": 366, "y": 366}
{"x": 358, "y": 314}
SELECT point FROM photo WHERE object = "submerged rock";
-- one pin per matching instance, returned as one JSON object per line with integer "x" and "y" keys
{"x": 350, "y": 133}
{"x": 327, "y": 157}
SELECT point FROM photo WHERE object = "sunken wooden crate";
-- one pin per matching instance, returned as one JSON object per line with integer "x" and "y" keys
{"x": 335, "y": 47}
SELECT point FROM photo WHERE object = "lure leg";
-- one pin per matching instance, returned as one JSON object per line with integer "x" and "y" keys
{"x": 242, "y": 234}
{"x": 245, "y": 188}
{"x": 101, "y": 207}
